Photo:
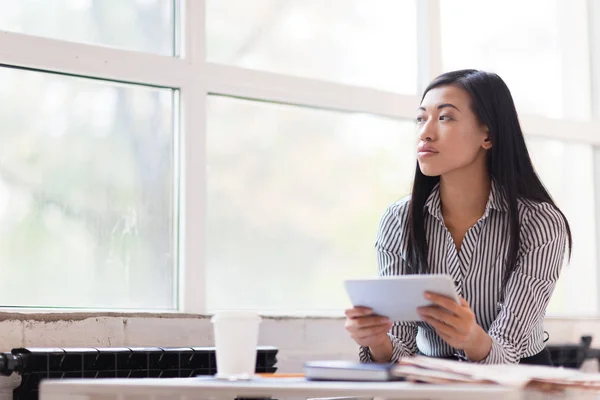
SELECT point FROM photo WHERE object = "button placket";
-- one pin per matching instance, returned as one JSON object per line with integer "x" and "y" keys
{"x": 453, "y": 263}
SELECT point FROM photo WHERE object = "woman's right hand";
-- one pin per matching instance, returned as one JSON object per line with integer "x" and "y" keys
{"x": 367, "y": 329}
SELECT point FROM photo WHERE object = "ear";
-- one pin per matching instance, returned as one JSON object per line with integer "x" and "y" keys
{"x": 487, "y": 142}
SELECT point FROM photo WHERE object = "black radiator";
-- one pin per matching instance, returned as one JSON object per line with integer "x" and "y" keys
{"x": 35, "y": 364}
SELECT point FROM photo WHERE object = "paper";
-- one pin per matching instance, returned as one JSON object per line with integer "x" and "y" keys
{"x": 434, "y": 370}
{"x": 381, "y": 294}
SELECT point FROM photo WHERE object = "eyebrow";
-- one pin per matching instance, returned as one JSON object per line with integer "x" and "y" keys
{"x": 444, "y": 105}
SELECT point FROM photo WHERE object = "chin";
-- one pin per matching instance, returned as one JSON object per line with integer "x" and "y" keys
{"x": 430, "y": 174}
{"x": 429, "y": 170}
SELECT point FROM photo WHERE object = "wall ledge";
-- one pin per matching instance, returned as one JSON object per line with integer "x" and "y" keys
{"x": 54, "y": 316}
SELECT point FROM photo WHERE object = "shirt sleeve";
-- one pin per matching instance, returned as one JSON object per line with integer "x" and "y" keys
{"x": 528, "y": 291}
{"x": 390, "y": 246}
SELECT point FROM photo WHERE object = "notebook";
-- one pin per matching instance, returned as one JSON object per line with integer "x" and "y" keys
{"x": 339, "y": 370}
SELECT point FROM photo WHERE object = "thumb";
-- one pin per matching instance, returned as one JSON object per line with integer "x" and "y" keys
{"x": 464, "y": 303}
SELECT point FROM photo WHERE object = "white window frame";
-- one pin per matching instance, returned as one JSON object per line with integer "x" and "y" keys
{"x": 594, "y": 34}
{"x": 196, "y": 79}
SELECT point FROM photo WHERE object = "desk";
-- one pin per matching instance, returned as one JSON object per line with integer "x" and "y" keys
{"x": 205, "y": 388}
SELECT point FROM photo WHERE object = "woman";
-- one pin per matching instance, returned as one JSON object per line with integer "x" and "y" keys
{"x": 479, "y": 213}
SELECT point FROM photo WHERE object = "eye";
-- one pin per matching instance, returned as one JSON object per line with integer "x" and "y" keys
{"x": 419, "y": 119}
{"x": 445, "y": 118}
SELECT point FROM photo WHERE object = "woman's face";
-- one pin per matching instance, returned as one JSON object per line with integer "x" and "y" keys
{"x": 450, "y": 136}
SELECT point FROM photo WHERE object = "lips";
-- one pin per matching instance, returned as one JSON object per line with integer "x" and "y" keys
{"x": 426, "y": 148}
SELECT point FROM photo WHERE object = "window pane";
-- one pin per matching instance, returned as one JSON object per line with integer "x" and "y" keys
{"x": 567, "y": 171}
{"x": 347, "y": 41}
{"x": 294, "y": 200}
{"x": 534, "y": 56}
{"x": 86, "y": 193}
{"x": 143, "y": 25}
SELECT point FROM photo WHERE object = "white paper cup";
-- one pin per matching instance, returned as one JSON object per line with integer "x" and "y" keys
{"x": 236, "y": 339}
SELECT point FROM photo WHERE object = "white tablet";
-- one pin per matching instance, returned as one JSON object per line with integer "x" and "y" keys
{"x": 398, "y": 297}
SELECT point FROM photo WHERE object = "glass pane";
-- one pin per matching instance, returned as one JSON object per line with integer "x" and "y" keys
{"x": 143, "y": 25}
{"x": 294, "y": 200}
{"x": 86, "y": 193}
{"x": 539, "y": 38}
{"x": 347, "y": 41}
{"x": 567, "y": 172}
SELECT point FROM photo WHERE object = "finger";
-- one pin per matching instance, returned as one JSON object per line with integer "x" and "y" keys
{"x": 369, "y": 322}
{"x": 366, "y": 333}
{"x": 443, "y": 301}
{"x": 464, "y": 303}
{"x": 440, "y": 314}
{"x": 355, "y": 324}
{"x": 441, "y": 328}
{"x": 358, "y": 312}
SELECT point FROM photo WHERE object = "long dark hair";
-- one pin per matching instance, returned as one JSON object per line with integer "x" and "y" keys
{"x": 508, "y": 163}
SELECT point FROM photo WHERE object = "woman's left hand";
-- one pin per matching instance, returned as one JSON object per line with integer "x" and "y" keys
{"x": 456, "y": 325}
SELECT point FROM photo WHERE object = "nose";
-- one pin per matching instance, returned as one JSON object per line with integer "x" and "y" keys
{"x": 428, "y": 130}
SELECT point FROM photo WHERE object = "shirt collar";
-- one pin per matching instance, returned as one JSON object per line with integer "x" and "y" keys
{"x": 496, "y": 201}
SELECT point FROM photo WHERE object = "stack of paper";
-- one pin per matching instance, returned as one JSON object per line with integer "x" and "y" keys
{"x": 434, "y": 370}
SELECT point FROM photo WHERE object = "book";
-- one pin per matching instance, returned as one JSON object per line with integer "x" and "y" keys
{"x": 339, "y": 370}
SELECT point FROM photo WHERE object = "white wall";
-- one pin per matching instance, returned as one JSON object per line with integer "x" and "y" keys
{"x": 298, "y": 339}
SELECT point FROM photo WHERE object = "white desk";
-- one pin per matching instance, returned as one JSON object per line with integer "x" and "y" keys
{"x": 204, "y": 388}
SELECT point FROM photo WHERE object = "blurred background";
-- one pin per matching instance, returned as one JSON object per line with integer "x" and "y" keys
{"x": 90, "y": 169}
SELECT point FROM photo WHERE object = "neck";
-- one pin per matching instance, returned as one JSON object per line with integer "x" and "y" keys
{"x": 465, "y": 196}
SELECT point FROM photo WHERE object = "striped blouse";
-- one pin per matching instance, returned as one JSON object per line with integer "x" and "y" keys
{"x": 514, "y": 323}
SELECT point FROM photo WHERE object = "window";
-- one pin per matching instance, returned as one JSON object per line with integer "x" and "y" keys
{"x": 567, "y": 171}
{"x": 347, "y": 41}
{"x": 142, "y": 25}
{"x": 294, "y": 197}
{"x": 191, "y": 149}
{"x": 535, "y": 56}
{"x": 87, "y": 194}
